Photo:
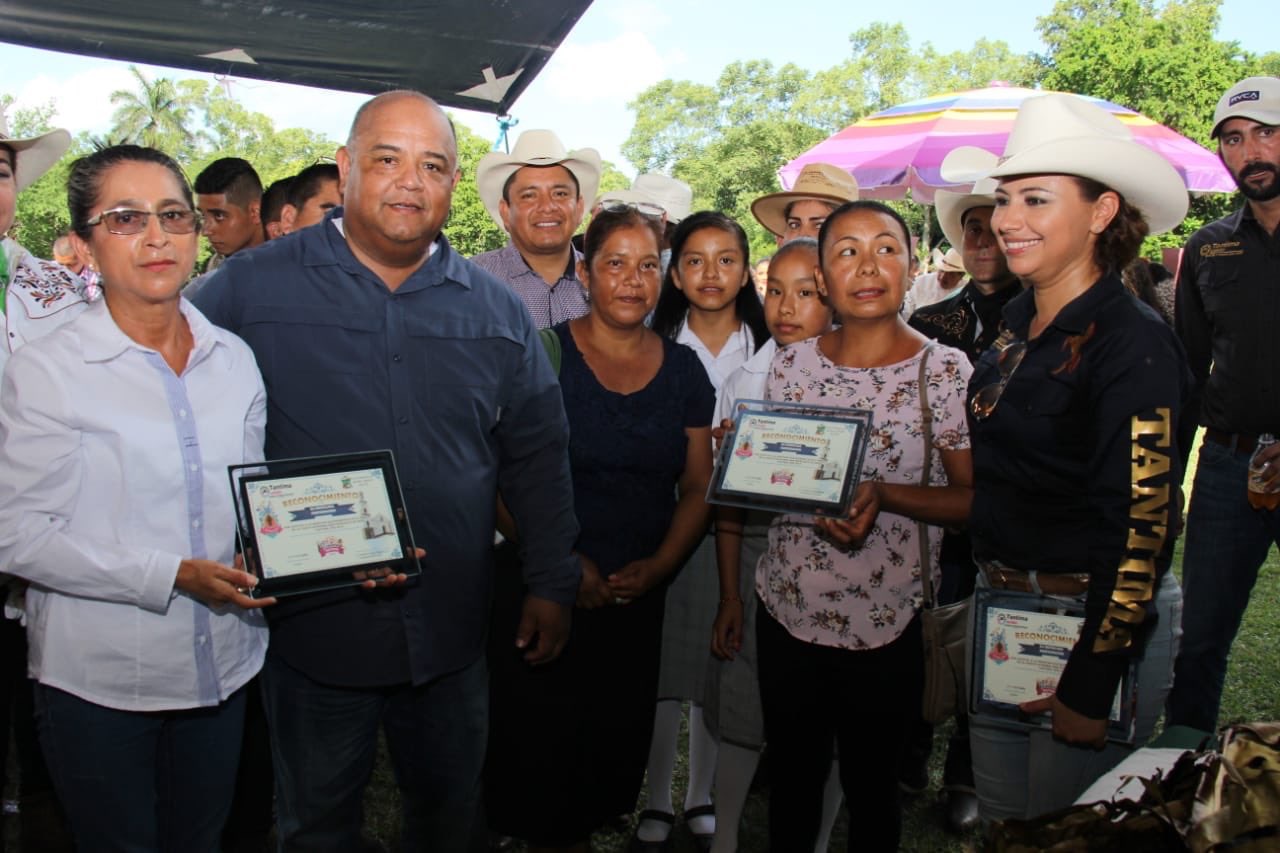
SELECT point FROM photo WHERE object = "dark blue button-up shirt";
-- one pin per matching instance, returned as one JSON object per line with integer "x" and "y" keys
{"x": 448, "y": 372}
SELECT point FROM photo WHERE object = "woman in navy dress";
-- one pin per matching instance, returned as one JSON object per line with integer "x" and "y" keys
{"x": 569, "y": 740}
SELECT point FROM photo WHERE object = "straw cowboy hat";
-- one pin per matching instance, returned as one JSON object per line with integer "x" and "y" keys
{"x": 672, "y": 195}
{"x": 35, "y": 154}
{"x": 535, "y": 148}
{"x": 820, "y": 181}
{"x": 1062, "y": 134}
{"x": 951, "y": 207}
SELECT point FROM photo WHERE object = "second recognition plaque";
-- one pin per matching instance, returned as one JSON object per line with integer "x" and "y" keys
{"x": 310, "y": 524}
{"x": 791, "y": 457}
{"x": 1021, "y": 643}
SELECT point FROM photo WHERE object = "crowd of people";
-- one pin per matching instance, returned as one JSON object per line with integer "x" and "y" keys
{"x": 554, "y": 408}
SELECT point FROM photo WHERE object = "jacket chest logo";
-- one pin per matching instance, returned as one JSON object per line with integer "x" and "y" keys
{"x": 1221, "y": 250}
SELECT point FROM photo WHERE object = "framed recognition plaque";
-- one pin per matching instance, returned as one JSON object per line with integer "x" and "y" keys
{"x": 310, "y": 524}
{"x": 1021, "y": 642}
{"x": 791, "y": 457}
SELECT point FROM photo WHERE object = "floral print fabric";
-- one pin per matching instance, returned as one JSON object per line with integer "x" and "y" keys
{"x": 863, "y": 598}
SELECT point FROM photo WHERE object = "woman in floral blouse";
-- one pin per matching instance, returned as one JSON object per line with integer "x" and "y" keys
{"x": 839, "y": 640}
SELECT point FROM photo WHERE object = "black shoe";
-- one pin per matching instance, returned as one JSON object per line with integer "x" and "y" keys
{"x": 962, "y": 810}
{"x": 701, "y": 840}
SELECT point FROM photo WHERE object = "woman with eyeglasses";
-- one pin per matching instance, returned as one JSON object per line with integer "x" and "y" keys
{"x": 1075, "y": 421}
{"x": 568, "y": 740}
{"x": 116, "y": 431}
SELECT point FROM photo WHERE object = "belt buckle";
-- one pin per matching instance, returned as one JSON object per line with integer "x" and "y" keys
{"x": 995, "y": 574}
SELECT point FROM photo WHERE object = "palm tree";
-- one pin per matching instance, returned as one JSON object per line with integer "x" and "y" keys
{"x": 108, "y": 140}
{"x": 155, "y": 115}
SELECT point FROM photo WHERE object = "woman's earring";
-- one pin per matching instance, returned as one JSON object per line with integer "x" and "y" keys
{"x": 92, "y": 283}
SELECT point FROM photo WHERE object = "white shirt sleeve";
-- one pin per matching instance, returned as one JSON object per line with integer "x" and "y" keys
{"x": 42, "y": 457}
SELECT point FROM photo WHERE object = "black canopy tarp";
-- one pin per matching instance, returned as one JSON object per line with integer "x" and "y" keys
{"x": 472, "y": 54}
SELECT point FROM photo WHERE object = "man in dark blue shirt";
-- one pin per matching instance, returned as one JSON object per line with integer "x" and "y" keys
{"x": 371, "y": 332}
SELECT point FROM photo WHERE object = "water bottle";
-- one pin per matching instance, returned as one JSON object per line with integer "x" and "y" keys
{"x": 1259, "y": 496}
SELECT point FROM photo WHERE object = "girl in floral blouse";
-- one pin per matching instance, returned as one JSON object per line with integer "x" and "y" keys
{"x": 840, "y": 657}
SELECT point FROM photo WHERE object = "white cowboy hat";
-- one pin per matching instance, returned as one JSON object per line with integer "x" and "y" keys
{"x": 820, "y": 181}
{"x": 35, "y": 154}
{"x": 951, "y": 207}
{"x": 1061, "y": 134}
{"x": 672, "y": 195}
{"x": 952, "y": 261}
{"x": 535, "y": 148}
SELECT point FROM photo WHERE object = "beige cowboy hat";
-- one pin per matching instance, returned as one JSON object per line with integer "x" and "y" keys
{"x": 951, "y": 207}
{"x": 674, "y": 196}
{"x": 820, "y": 181}
{"x": 35, "y": 154}
{"x": 1061, "y": 134}
{"x": 535, "y": 148}
{"x": 1254, "y": 98}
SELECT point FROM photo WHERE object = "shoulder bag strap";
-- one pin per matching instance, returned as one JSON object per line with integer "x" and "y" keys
{"x": 926, "y": 422}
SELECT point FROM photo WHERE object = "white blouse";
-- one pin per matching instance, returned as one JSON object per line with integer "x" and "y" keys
{"x": 114, "y": 471}
{"x": 740, "y": 346}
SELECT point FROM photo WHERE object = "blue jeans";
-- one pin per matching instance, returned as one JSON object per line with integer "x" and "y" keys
{"x": 1227, "y": 541}
{"x": 134, "y": 782}
{"x": 324, "y": 741}
{"x": 1021, "y": 774}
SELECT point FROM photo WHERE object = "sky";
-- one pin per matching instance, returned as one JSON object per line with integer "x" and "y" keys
{"x": 617, "y": 49}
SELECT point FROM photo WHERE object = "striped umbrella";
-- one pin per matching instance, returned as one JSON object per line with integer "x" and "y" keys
{"x": 901, "y": 148}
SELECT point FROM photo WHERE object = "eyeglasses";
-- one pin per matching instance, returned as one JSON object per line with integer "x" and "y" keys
{"x": 644, "y": 208}
{"x": 126, "y": 220}
{"x": 1010, "y": 356}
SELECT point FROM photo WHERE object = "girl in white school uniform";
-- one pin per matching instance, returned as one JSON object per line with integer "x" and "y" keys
{"x": 794, "y": 311}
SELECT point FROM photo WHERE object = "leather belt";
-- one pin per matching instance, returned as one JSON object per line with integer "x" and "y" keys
{"x": 1002, "y": 577}
{"x": 1239, "y": 442}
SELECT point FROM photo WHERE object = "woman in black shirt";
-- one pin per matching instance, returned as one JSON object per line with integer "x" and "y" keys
{"x": 1074, "y": 415}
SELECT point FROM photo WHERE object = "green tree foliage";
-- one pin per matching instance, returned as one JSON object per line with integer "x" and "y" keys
{"x": 742, "y": 165}
{"x": 1159, "y": 59}
{"x": 470, "y": 229}
{"x": 228, "y": 129}
{"x": 1268, "y": 63}
{"x": 156, "y": 114}
{"x": 193, "y": 121}
{"x": 611, "y": 178}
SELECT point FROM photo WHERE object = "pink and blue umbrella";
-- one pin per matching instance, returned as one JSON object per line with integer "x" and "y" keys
{"x": 901, "y": 148}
